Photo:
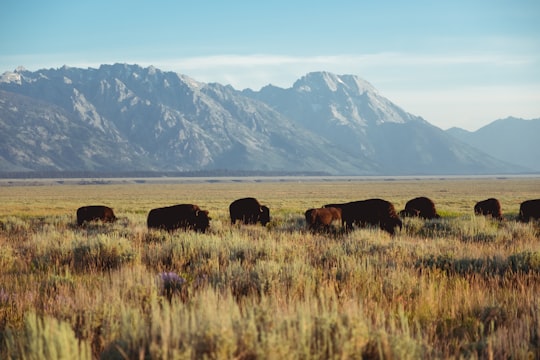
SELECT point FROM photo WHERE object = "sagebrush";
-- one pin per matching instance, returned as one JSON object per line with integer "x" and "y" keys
{"x": 462, "y": 286}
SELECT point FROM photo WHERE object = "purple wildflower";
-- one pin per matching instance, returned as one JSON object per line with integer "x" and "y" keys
{"x": 171, "y": 283}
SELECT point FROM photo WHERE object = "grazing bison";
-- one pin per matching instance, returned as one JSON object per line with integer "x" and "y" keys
{"x": 529, "y": 209}
{"x": 183, "y": 216}
{"x": 375, "y": 212}
{"x": 409, "y": 213}
{"x": 322, "y": 218}
{"x": 489, "y": 207}
{"x": 249, "y": 211}
{"x": 95, "y": 212}
{"x": 422, "y": 207}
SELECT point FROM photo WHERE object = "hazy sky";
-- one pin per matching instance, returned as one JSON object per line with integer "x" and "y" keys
{"x": 456, "y": 63}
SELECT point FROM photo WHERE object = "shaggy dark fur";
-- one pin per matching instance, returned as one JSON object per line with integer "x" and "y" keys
{"x": 95, "y": 212}
{"x": 322, "y": 218}
{"x": 489, "y": 207}
{"x": 183, "y": 216}
{"x": 529, "y": 209}
{"x": 423, "y": 206}
{"x": 374, "y": 212}
{"x": 249, "y": 211}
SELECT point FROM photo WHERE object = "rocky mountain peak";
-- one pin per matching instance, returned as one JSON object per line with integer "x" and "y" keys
{"x": 326, "y": 81}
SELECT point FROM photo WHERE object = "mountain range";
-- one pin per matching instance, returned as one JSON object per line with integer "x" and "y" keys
{"x": 124, "y": 117}
{"x": 511, "y": 139}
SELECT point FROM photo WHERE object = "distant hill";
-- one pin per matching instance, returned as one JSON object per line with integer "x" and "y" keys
{"x": 516, "y": 141}
{"x": 122, "y": 118}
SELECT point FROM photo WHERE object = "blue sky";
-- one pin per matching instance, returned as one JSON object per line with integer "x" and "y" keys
{"x": 456, "y": 63}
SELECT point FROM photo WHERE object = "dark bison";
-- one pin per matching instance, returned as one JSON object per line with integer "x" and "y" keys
{"x": 322, "y": 218}
{"x": 375, "y": 212}
{"x": 422, "y": 207}
{"x": 489, "y": 207}
{"x": 95, "y": 212}
{"x": 249, "y": 211}
{"x": 183, "y": 216}
{"x": 529, "y": 209}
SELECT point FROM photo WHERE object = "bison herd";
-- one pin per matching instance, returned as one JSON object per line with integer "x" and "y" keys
{"x": 370, "y": 212}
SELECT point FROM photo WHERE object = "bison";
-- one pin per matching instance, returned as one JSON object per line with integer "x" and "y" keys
{"x": 95, "y": 212}
{"x": 182, "y": 216}
{"x": 529, "y": 209}
{"x": 375, "y": 212}
{"x": 249, "y": 211}
{"x": 322, "y": 218}
{"x": 422, "y": 207}
{"x": 489, "y": 207}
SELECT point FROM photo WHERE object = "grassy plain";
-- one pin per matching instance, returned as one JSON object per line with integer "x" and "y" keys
{"x": 458, "y": 287}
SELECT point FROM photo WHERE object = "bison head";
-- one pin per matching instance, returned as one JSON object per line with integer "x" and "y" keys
{"x": 264, "y": 216}
{"x": 202, "y": 220}
{"x": 409, "y": 212}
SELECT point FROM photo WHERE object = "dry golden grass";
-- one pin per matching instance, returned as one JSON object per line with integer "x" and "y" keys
{"x": 455, "y": 196}
{"x": 459, "y": 287}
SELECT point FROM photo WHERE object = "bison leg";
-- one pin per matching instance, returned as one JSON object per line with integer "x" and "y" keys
{"x": 388, "y": 228}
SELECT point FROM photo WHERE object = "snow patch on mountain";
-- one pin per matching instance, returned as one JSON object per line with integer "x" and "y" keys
{"x": 358, "y": 85}
{"x": 11, "y": 77}
{"x": 123, "y": 92}
{"x": 86, "y": 110}
{"x": 338, "y": 117}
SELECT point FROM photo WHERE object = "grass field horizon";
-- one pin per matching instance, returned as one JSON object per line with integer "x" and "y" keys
{"x": 462, "y": 286}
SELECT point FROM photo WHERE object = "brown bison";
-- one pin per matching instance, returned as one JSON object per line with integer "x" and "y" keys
{"x": 95, "y": 212}
{"x": 249, "y": 211}
{"x": 182, "y": 216}
{"x": 489, "y": 207}
{"x": 322, "y": 218}
{"x": 375, "y": 212}
{"x": 422, "y": 207}
{"x": 528, "y": 210}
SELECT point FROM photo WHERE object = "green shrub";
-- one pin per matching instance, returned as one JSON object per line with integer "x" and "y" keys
{"x": 13, "y": 225}
{"x": 464, "y": 266}
{"x": 526, "y": 262}
{"x": 102, "y": 253}
{"x": 438, "y": 228}
{"x": 54, "y": 257}
{"x": 51, "y": 285}
{"x": 157, "y": 236}
{"x": 45, "y": 338}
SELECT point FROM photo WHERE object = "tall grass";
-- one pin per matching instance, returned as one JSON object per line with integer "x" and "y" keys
{"x": 458, "y": 287}
{"x": 45, "y": 338}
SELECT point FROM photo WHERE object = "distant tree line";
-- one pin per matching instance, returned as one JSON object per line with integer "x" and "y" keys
{"x": 150, "y": 174}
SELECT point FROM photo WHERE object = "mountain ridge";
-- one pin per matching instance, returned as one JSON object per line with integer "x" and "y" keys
{"x": 128, "y": 117}
{"x": 510, "y": 139}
